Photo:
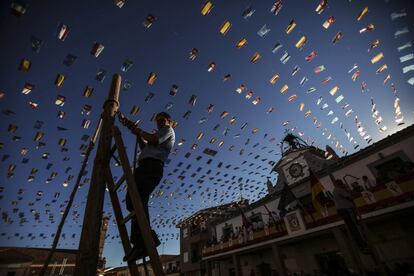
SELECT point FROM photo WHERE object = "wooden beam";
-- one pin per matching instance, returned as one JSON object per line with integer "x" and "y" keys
{"x": 209, "y": 268}
{"x": 279, "y": 261}
{"x": 236, "y": 264}
{"x": 87, "y": 255}
{"x": 351, "y": 254}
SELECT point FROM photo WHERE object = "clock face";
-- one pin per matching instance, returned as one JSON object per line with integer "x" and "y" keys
{"x": 296, "y": 170}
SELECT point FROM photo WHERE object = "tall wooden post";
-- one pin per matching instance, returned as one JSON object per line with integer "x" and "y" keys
{"x": 279, "y": 260}
{"x": 209, "y": 268}
{"x": 236, "y": 264}
{"x": 351, "y": 254}
{"x": 87, "y": 256}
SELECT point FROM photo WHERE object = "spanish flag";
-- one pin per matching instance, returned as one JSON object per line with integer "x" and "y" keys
{"x": 319, "y": 198}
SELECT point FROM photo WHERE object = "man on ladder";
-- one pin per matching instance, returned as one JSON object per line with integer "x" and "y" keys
{"x": 155, "y": 148}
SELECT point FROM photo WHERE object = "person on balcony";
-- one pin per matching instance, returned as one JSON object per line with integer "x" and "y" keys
{"x": 367, "y": 183}
{"x": 236, "y": 232}
{"x": 254, "y": 226}
{"x": 356, "y": 188}
{"x": 260, "y": 225}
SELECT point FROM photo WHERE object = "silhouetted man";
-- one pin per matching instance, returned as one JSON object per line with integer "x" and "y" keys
{"x": 155, "y": 148}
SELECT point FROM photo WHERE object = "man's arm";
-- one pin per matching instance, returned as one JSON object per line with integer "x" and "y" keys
{"x": 141, "y": 142}
{"x": 159, "y": 137}
{"x": 142, "y": 135}
{"x": 151, "y": 139}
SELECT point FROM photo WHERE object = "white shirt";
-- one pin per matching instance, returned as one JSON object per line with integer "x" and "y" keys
{"x": 166, "y": 140}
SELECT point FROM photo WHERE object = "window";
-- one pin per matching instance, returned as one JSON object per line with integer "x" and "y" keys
{"x": 390, "y": 167}
{"x": 255, "y": 217}
{"x": 185, "y": 257}
{"x": 194, "y": 253}
{"x": 185, "y": 232}
{"x": 227, "y": 230}
{"x": 195, "y": 230}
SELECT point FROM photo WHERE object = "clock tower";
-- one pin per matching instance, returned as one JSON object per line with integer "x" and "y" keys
{"x": 297, "y": 158}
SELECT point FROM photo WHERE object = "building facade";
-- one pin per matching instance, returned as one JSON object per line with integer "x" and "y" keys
{"x": 311, "y": 241}
{"x": 170, "y": 265}
{"x": 18, "y": 261}
{"x": 194, "y": 235}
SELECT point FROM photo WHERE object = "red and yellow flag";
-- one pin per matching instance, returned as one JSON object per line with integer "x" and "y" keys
{"x": 318, "y": 195}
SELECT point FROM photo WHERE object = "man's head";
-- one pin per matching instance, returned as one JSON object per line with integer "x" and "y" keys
{"x": 162, "y": 119}
{"x": 338, "y": 183}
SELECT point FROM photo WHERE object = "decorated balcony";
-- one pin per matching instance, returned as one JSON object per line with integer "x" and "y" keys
{"x": 380, "y": 199}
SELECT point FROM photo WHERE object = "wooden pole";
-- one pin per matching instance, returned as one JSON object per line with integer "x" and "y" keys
{"x": 236, "y": 264}
{"x": 87, "y": 256}
{"x": 374, "y": 250}
{"x": 144, "y": 262}
{"x": 280, "y": 262}
{"x": 134, "y": 166}
{"x": 71, "y": 198}
{"x": 348, "y": 249}
{"x": 209, "y": 268}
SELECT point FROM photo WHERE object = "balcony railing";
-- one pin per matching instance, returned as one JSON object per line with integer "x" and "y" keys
{"x": 384, "y": 195}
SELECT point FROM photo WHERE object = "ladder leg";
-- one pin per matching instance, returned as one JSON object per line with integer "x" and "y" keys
{"x": 123, "y": 233}
{"x": 145, "y": 266}
{"x": 138, "y": 207}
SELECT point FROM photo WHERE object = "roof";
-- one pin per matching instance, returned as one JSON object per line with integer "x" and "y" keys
{"x": 163, "y": 258}
{"x": 13, "y": 256}
{"x": 62, "y": 250}
{"x": 379, "y": 145}
{"x": 216, "y": 211}
{"x": 312, "y": 148}
{"x": 169, "y": 257}
{"x": 10, "y": 255}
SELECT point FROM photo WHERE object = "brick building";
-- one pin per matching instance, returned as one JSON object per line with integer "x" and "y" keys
{"x": 18, "y": 261}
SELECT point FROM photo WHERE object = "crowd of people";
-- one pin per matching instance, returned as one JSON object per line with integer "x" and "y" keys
{"x": 246, "y": 230}
{"x": 394, "y": 172}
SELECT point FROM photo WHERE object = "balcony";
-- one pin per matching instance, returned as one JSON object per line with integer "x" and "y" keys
{"x": 385, "y": 195}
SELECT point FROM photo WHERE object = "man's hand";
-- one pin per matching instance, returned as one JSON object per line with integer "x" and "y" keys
{"x": 150, "y": 138}
{"x": 126, "y": 122}
{"x": 136, "y": 130}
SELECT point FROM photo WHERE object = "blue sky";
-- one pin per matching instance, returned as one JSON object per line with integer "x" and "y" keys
{"x": 164, "y": 49}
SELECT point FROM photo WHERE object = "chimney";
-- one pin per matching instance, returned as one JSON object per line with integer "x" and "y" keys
{"x": 270, "y": 187}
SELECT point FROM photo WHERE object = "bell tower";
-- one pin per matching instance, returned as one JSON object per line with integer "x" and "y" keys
{"x": 298, "y": 158}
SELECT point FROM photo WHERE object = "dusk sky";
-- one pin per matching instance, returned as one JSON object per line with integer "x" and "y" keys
{"x": 192, "y": 180}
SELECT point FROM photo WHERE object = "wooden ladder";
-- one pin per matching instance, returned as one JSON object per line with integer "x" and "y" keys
{"x": 139, "y": 212}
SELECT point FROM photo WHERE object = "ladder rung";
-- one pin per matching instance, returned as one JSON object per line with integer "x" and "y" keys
{"x": 113, "y": 149}
{"x": 129, "y": 217}
{"x": 116, "y": 160}
{"x": 119, "y": 182}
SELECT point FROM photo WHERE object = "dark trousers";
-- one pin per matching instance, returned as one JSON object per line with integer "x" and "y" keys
{"x": 351, "y": 222}
{"x": 147, "y": 176}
